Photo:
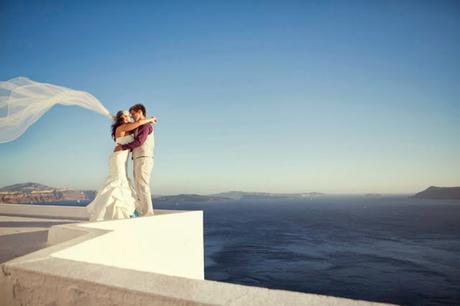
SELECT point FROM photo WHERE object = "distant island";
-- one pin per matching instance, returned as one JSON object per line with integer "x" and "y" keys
{"x": 35, "y": 193}
{"x": 189, "y": 198}
{"x": 241, "y": 195}
{"x": 236, "y": 195}
{"x": 434, "y": 192}
{"x": 373, "y": 195}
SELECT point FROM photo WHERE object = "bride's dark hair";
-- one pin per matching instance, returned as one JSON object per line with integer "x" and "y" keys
{"x": 118, "y": 120}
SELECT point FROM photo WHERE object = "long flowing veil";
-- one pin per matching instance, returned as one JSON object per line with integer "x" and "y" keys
{"x": 23, "y": 101}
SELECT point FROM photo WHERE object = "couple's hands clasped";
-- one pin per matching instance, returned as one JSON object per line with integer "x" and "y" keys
{"x": 153, "y": 120}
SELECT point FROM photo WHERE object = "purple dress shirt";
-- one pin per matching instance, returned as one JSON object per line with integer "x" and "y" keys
{"x": 142, "y": 132}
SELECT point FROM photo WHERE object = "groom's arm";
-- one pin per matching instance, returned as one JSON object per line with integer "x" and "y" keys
{"x": 143, "y": 132}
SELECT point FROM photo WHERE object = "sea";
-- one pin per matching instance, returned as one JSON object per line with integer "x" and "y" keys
{"x": 392, "y": 249}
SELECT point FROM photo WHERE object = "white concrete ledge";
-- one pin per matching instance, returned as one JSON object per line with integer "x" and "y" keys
{"x": 170, "y": 243}
{"x": 63, "y": 282}
{"x": 143, "y": 261}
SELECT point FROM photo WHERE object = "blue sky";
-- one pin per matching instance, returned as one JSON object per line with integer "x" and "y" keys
{"x": 277, "y": 96}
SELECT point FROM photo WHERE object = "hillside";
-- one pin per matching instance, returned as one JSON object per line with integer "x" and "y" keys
{"x": 434, "y": 192}
{"x": 31, "y": 193}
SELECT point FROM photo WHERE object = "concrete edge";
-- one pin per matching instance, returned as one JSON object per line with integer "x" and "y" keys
{"x": 146, "y": 287}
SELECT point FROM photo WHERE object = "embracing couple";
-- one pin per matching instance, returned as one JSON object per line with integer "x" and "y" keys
{"x": 118, "y": 198}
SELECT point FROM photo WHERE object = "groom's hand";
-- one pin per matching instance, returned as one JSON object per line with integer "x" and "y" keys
{"x": 117, "y": 148}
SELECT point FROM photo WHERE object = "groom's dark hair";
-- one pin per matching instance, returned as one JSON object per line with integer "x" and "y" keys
{"x": 138, "y": 107}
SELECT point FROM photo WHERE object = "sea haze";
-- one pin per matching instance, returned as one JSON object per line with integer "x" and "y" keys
{"x": 389, "y": 249}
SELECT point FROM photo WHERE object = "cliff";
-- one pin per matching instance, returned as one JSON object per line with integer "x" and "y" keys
{"x": 31, "y": 193}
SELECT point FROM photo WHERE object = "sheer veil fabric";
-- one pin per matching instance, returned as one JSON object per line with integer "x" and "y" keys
{"x": 23, "y": 101}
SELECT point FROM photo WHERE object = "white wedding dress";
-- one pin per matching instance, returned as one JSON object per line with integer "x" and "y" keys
{"x": 116, "y": 199}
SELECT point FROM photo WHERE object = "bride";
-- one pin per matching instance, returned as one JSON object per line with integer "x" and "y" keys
{"x": 24, "y": 101}
{"x": 117, "y": 197}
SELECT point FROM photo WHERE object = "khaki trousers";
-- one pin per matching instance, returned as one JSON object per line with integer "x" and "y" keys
{"x": 142, "y": 169}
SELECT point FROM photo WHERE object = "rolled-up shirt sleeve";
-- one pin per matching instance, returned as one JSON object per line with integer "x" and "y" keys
{"x": 143, "y": 132}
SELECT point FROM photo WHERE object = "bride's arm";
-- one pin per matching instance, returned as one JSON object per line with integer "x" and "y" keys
{"x": 134, "y": 125}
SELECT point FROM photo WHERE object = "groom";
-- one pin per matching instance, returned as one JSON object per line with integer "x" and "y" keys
{"x": 142, "y": 148}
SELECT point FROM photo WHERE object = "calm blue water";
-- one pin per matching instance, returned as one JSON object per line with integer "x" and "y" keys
{"x": 391, "y": 249}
